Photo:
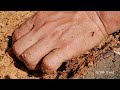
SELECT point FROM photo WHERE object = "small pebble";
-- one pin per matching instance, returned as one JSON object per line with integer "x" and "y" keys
{"x": 116, "y": 50}
{"x": 90, "y": 64}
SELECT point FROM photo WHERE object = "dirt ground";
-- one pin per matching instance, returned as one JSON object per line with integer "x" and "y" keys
{"x": 102, "y": 62}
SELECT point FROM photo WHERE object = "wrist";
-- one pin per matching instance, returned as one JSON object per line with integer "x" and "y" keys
{"x": 93, "y": 15}
{"x": 110, "y": 20}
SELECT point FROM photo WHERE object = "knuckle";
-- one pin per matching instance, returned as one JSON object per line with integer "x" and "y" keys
{"x": 28, "y": 62}
{"x": 24, "y": 57}
{"x": 48, "y": 67}
{"x": 15, "y": 35}
{"x": 15, "y": 49}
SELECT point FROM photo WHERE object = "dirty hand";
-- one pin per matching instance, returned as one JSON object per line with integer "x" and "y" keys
{"x": 51, "y": 38}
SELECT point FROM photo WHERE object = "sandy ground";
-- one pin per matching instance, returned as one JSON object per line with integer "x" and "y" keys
{"x": 102, "y": 62}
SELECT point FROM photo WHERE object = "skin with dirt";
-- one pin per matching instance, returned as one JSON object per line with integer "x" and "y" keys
{"x": 11, "y": 67}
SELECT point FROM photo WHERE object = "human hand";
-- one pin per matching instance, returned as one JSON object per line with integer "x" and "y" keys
{"x": 55, "y": 37}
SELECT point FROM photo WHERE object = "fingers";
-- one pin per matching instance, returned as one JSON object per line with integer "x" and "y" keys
{"x": 31, "y": 38}
{"x": 42, "y": 48}
{"x": 35, "y": 20}
{"x": 22, "y": 30}
{"x": 34, "y": 54}
{"x": 36, "y": 34}
{"x": 54, "y": 59}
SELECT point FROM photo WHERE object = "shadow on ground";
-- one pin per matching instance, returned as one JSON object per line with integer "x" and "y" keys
{"x": 19, "y": 64}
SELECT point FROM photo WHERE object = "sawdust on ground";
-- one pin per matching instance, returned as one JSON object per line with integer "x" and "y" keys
{"x": 11, "y": 67}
